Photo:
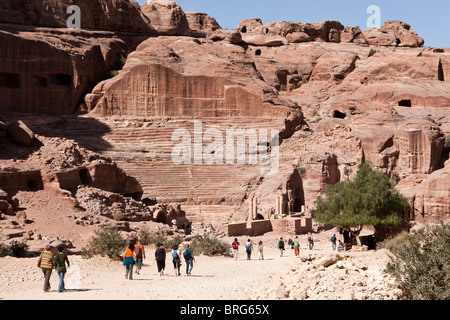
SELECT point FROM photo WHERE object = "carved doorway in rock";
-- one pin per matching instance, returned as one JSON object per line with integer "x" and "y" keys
{"x": 295, "y": 193}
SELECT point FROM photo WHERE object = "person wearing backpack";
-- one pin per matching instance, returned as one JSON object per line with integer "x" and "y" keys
{"x": 176, "y": 254}
{"x": 281, "y": 246}
{"x": 235, "y": 246}
{"x": 296, "y": 246}
{"x": 333, "y": 242}
{"x": 139, "y": 253}
{"x": 60, "y": 265}
{"x": 189, "y": 258}
{"x": 248, "y": 249}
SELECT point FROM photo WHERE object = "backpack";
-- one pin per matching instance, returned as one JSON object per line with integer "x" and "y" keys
{"x": 138, "y": 251}
{"x": 248, "y": 248}
{"x": 235, "y": 245}
{"x": 187, "y": 255}
{"x": 175, "y": 254}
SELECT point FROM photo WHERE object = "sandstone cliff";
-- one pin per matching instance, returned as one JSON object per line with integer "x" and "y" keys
{"x": 338, "y": 95}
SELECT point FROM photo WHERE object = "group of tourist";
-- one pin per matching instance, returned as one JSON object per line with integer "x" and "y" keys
{"x": 294, "y": 243}
{"x": 135, "y": 255}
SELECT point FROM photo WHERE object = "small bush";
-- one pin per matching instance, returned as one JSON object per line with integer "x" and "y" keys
{"x": 394, "y": 243}
{"x": 106, "y": 242}
{"x": 18, "y": 249}
{"x": 14, "y": 249}
{"x": 147, "y": 238}
{"x": 5, "y": 250}
{"x": 372, "y": 52}
{"x": 210, "y": 246}
{"x": 118, "y": 216}
{"x": 421, "y": 265}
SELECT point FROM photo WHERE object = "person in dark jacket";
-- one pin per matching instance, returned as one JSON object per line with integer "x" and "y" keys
{"x": 60, "y": 264}
{"x": 160, "y": 256}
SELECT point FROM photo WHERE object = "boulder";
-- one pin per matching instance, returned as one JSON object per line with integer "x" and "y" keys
{"x": 20, "y": 133}
{"x": 405, "y": 36}
{"x": 327, "y": 261}
{"x": 166, "y": 17}
{"x": 201, "y": 21}
{"x": 393, "y": 33}
{"x": 249, "y": 25}
{"x": 231, "y": 36}
{"x": 298, "y": 37}
{"x": 262, "y": 40}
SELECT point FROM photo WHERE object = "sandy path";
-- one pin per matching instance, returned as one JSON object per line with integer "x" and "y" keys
{"x": 214, "y": 278}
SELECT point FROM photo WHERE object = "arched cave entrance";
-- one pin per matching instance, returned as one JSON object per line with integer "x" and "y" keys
{"x": 259, "y": 216}
{"x": 296, "y": 194}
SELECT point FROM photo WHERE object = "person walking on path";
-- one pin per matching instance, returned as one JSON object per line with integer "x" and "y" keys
{"x": 281, "y": 246}
{"x": 296, "y": 246}
{"x": 260, "y": 251}
{"x": 129, "y": 261}
{"x": 310, "y": 241}
{"x": 176, "y": 259}
{"x": 248, "y": 249}
{"x": 139, "y": 253}
{"x": 61, "y": 268}
{"x": 333, "y": 242}
{"x": 189, "y": 259}
{"x": 235, "y": 246}
{"x": 160, "y": 256}
{"x": 46, "y": 263}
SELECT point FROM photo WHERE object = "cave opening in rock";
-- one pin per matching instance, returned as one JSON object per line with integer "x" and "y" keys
{"x": 244, "y": 29}
{"x": 9, "y": 80}
{"x": 85, "y": 176}
{"x": 339, "y": 115}
{"x": 258, "y": 52}
{"x": 259, "y": 217}
{"x": 440, "y": 71}
{"x": 296, "y": 194}
{"x": 405, "y": 103}
{"x": 31, "y": 185}
{"x": 61, "y": 79}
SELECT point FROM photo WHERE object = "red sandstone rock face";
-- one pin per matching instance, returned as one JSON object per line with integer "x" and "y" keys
{"x": 388, "y": 103}
{"x": 186, "y": 77}
{"x": 111, "y": 15}
{"x": 58, "y": 66}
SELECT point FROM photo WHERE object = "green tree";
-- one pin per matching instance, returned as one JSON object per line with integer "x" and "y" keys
{"x": 421, "y": 265}
{"x": 369, "y": 200}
